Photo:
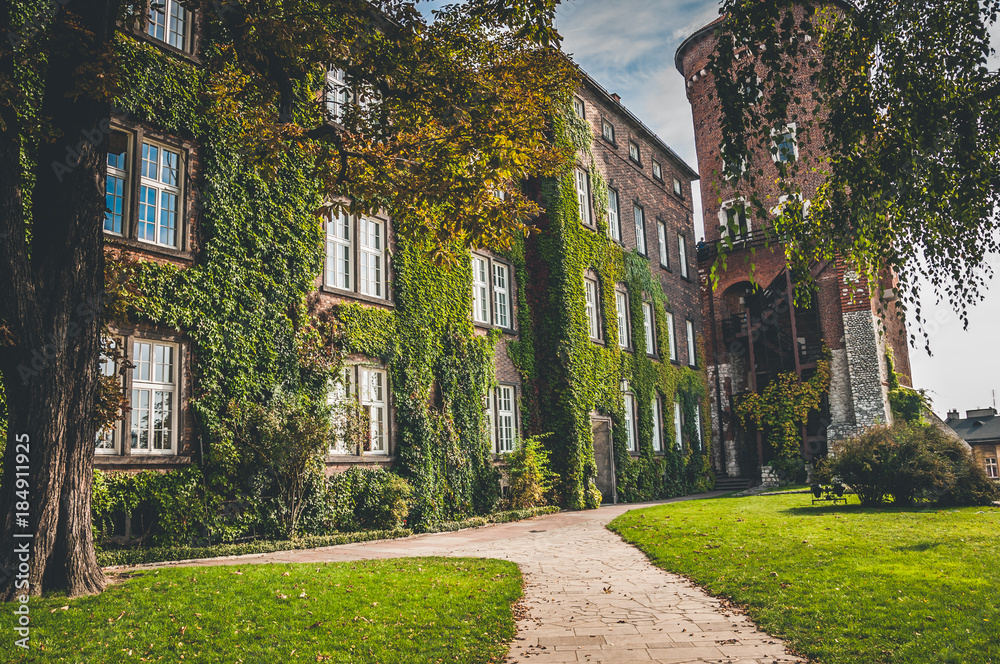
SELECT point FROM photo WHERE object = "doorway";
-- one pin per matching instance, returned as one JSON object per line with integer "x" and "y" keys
{"x": 604, "y": 455}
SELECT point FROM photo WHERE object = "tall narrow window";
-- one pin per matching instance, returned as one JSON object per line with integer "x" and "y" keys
{"x": 657, "y": 171}
{"x": 682, "y": 255}
{"x": 678, "y": 188}
{"x": 614, "y": 220}
{"x": 168, "y": 22}
{"x": 640, "y": 229}
{"x": 117, "y": 176}
{"x": 672, "y": 331}
{"x": 373, "y": 398}
{"x": 630, "y": 431}
{"x": 501, "y": 298}
{"x": 154, "y": 388}
{"x": 370, "y": 256}
{"x": 648, "y": 322}
{"x": 491, "y": 425}
{"x": 621, "y": 308}
{"x": 578, "y": 108}
{"x": 692, "y": 354}
{"x": 657, "y": 425}
{"x": 481, "y": 290}
{"x": 733, "y": 221}
{"x": 593, "y": 308}
{"x": 159, "y": 193}
{"x": 991, "y": 468}
{"x": 697, "y": 424}
{"x": 107, "y": 438}
{"x": 339, "y": 254}
{"x": 506, "y": 429}
{"x": 336, "y": 94}
{"x": 678, "y": 433}
{"x": 583, "y": 196}
{"x": 608, "y": 131}
{"x": 341, "y": 399}
{"x": 661, "y": 236}
{"x": 633, "y": 151}
{"x": 784, "y": 145}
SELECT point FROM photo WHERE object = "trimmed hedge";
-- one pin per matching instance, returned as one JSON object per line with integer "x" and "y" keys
{"x": 498, "y": 517}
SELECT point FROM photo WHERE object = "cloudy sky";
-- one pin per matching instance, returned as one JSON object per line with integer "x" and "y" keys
{"x": 628, "y": 46}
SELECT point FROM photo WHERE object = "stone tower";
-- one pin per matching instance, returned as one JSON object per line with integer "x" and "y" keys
{"x": 753, "y": 334}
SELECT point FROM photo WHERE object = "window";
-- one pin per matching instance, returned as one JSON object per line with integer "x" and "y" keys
{"x": 731, "y": 171}
{"x": 647, "y": 323}
{"x": 107, "y": 438}
{"x": 784, "y": 146}
{"x": 480, "y": 290}
{"x": 372, "y": 396}
{"x": 682, "y": 254}
{"x": 336, "y": 94}
{"x": 339, "y": 256}
{"x": 697, "y": 424}
{"x": 633, "y": 151}
{"x": 583, "y": 196}
{"x": 154, "y": 397}
{"x": 342, "y": 399}
{"x": 370, "y": 272}
{"x": 678, "y": 434}
{"x": 115, "y": 188}
{"x": 621, "y": 308}
{"x": 501, "y": 306}
{"x": 672, "y": 331}
{"x": 168, "y": 23}
{"x": 692, "y": 354}
{"x": 661, "y": 236}
{"x": 614, "y": 219}
{"x": 640, "y": 229}
{"x": 657, "y": 425}
{"x": 593, "y": 308}
{"x": 578, "y": 108}
{"x": 991, "y": 468}
{"x": 506, "y": 421}
{"x": 657, "y": 171}
{"x": 630, "y": 431}
{"x": 677, "y": 187}
{"x": 608, "y": 131}
{"x": 733, "y": 220}
{"x": 159, "y": 194}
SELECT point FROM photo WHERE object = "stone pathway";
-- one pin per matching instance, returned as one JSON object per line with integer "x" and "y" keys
{"x": 589, "y": 596}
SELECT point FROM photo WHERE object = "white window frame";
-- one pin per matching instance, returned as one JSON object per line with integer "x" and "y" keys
{"x": 724, "y": 218}
{"x": 992, "y": 470}
{"x": 344, "y": 389}
{"x": 778, "y": 135}
{"x": 614, "y": 216}
{"x": 481, "y": 278}
{"x": 373, "y": 395}
{"x": 592, "y": 298}
{"x": 639, "y": 215}
{"x": 371, "y": 257}
{"x": 697, "y": 425}
{"x": 633, "y": 151}
{"x": 163, "y": 24}
{"x": 579, "y": 109}
{"x": 109, "y": 438}
{"x": 692, "y": 354}
{"x": 336, "y": 94}
{"x": 506, "y": 418}
{"x": 672, "y": 330}
{"x": 607, "y": 131}
{"x": 678, "y": 426}
{"x": 116, "y": 198}
{"x": 339, "y": 270}
{"x": 657, "y": 170}
{"x": 582, "y": 182}
{"x": 631, "y": 435}
{"x": 492, "y": 292}
{"x": 148, "y": 377}
{"x": 678, "y": 187}
{"x": 649, "y": 325}
{"x": 162, "y": 189}
{"x": 621, "y": 309}
{"x": 502, "y": 311}
{"x": 661, "y": 236}
{"x": 657, "y": 424}
{"x": 682, "y": 256}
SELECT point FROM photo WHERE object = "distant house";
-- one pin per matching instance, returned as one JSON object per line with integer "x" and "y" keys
{"x": 981, "y": 430}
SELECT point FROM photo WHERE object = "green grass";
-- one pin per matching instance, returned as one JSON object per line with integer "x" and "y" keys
{"x": 843, "y": 585}
{"x": 419, "y": 610}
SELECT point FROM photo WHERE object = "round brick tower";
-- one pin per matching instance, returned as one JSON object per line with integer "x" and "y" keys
{"x": 754, "y": 333}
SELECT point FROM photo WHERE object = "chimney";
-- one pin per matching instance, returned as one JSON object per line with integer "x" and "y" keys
{"x": 952, "y": 415}
{"x": 616, "y": 97}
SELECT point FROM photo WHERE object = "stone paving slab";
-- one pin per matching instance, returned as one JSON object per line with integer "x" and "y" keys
{"x": 589, "y": 596}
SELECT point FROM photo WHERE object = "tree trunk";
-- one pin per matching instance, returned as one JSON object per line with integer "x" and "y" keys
{"x": 51, "y": 281}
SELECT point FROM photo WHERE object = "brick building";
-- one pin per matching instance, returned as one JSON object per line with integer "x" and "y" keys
{"x": 754, "y": 333}
{"x": 980, "y": 428}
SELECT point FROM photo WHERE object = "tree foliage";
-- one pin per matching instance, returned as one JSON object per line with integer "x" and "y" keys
{"x": 904, "y": 136}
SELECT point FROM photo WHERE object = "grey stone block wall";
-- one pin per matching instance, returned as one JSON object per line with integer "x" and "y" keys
{"x": 866, "y": 370}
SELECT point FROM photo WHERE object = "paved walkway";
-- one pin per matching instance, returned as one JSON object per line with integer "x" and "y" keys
{"x": 589, "y": 596}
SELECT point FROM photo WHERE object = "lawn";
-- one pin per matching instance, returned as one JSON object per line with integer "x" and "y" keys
{"x": 843, "y": 585}
{"x": 419, "y": 610}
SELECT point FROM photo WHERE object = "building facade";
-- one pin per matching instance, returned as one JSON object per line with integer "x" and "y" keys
{"x": 980, "y": 428}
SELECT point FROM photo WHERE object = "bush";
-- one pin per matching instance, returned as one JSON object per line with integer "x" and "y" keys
{"x": 790, "y": 471}
{"x": 529, "y": 479}
{"x": 368, "y": 497}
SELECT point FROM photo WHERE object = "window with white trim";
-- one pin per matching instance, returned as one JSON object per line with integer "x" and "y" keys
{"x": 678, "y": 433}
{"x": 991, "y": 468}
{"x": 621, "y": 309}
{"x": 682, "y": 255}
{"x": 506, "y": 418}
{"x": 159, "y": 195}
{"x": 640, "y": 228}
{"x": 733, "y": 220}
{"x": 373, "y": 397}
{"x": 697, "y": 424}
{"x": 336, "y": 94}
{"x": 657, "y": 171}
{"x": 578, "y": 108}
{"x": 583, "y": 196}
{"x": 677, "y": 187}
{"x": 339, "y": 250}
{"x": 630, "y": 432}
{"x": 115, "y": 187}
{"x": 784, "y": 143}
{"x": 488, "y": 405}
{"x": 608, "y": 131}
{"x": 672, "y": 331}
{"x": 614, "y": 218}
{"x": 633, "y": 151}
{"x": 661, "y": 236}
{"x": 657, "y": 424}
{"x": 648, "y": 323}
{"x": 692, "y": 354}
{"x": 108, "y": 436}
{"x": 342, "y": 398}
{"x": 169, "y": 22}
{"x": 593, "y": 304}
{"x": 371, "y": 257}
{"x": 154, "y": 397}
{"x": 501, "y": 295}
{"x": 492, "y": 291}
{"x": 481, "y": 290}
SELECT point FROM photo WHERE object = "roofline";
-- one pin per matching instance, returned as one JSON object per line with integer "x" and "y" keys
{"x": 610, "y": 101}
{"x": 846, "y": 4}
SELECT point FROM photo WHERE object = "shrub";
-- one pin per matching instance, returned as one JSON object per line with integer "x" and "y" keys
{"x": 528, "y": 476}
{"x": 368, "y": 497}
